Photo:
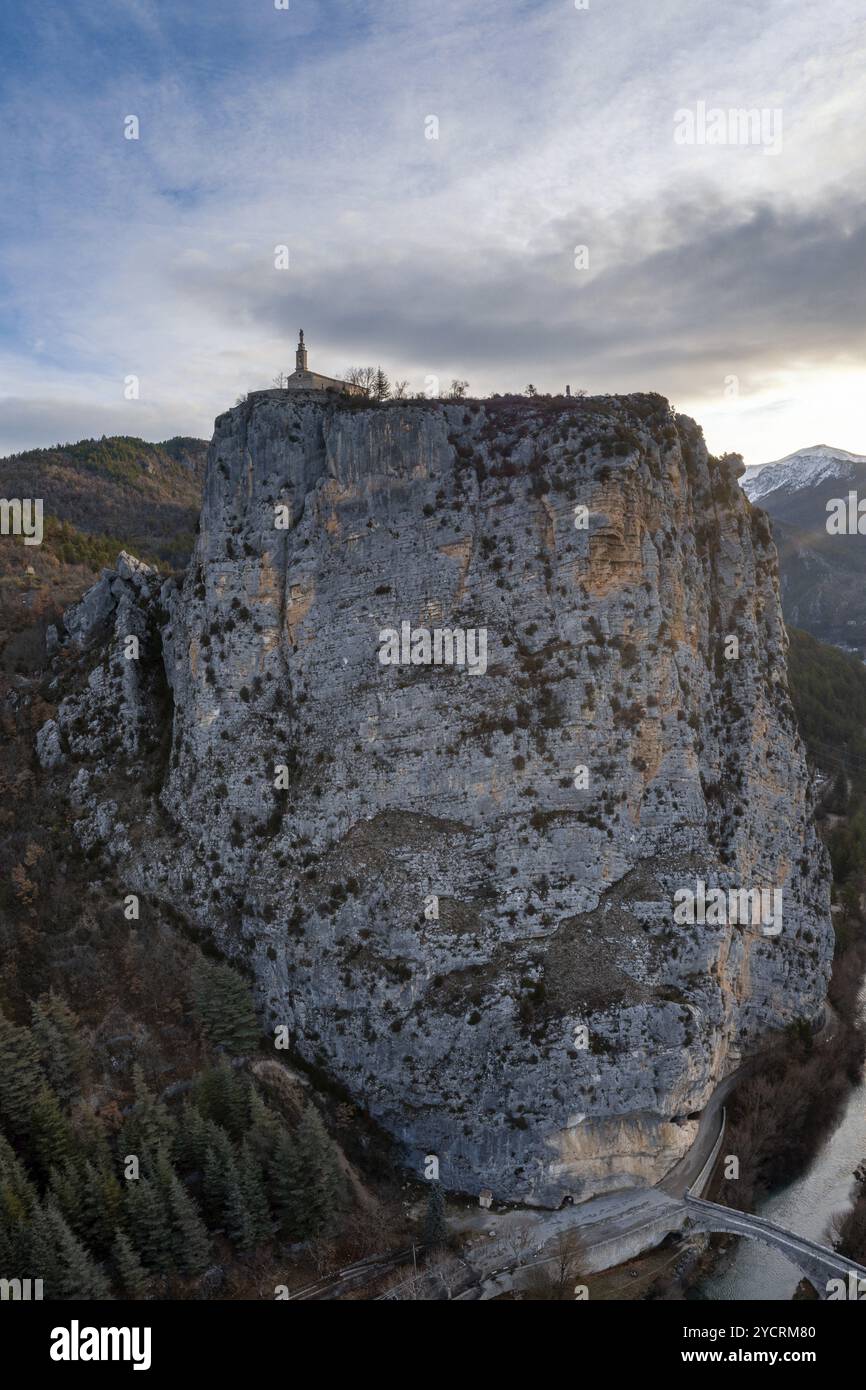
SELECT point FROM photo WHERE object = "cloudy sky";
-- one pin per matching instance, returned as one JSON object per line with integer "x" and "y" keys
{"x": 729, "y": 277}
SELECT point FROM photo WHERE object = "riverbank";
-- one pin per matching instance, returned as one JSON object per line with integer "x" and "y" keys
{"x": 798, "y": 1127}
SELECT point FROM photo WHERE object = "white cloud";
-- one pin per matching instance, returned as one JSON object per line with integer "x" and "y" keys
{"x": 556, "y": 128}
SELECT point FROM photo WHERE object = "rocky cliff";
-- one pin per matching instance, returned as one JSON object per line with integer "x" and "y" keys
{"x": 455, "y": 888}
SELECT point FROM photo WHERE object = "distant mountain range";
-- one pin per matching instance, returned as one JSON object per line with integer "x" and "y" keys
{"x": 119, "y": 486}
{"x": 823, "y": 576}
{"x": 99, "y": 496}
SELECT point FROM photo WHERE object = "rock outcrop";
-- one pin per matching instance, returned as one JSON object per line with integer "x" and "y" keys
{"x": 456, "y": 890}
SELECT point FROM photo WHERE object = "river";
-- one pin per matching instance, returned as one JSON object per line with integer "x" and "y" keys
{"x": 753, "y": 1270}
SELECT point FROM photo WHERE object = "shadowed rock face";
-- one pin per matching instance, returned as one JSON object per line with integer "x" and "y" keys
{"x": 408, "y": 783}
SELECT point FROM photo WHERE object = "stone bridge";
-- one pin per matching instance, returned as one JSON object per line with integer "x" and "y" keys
{"x": 817, "y": 1262}
{"x": 618, "y": 1227}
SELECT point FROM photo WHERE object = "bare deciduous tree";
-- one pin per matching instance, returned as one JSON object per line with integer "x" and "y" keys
{"x": 554, "y": 1280}
{"x": 363, "y": 377}
{"x": 519, "y": 1239}
{"x": 447, "y": 1273}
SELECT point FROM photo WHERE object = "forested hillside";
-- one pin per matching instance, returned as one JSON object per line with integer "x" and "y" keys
{"x": 828, "y": 688}
{"x": 99, "y": 496}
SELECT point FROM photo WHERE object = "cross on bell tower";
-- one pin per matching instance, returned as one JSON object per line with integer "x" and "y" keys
{"x": 301, "y": 355}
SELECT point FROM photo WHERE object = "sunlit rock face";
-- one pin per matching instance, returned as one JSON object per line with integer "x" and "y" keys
{"x": 455, "y": 887}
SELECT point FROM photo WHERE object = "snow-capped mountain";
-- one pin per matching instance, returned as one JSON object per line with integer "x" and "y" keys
{"x": 823, "y": 575}
{"x": 803, "y": 469}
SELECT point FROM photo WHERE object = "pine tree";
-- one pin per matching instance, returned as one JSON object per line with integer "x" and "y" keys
{"x": 66, "y": 1188}
{"x": 285, "y": 1187}
{"x": 17, "y": 1201}
{"x": 90, "y": 1130}
{"x": 381, "y": 386}
{"x": 225, "y": 1008}
{"x": 189, "y": 1238}
{"x": 265, "y": 1127}
{"x": 61, "y": 1049}
{"x": 837, "y": 800}
{"x": 191, "y": 1241}
{"x": 221, "y": 1096}
{"x": 238, "y": 1222}
{"x": 43, "y": 1255}
{"x": 191, "y": 1142}
{"x": 150, "y": 1127}
{"x": 322, "y": 1180}
{"x": 148, "y": 1224}
{"x": 61, "y": 1260}
{"x": 102, "y": 1207}
{"x": 435, "y": 1228}
{"x": 11, "y": 1233}
{"x": 50, "y": 1139}
{"x": 80, "y": 1277}
{"x": 220, "y": 1175}
{"x": 20, "y": 1075}
{"x": 254, "y": 1194}
{"x": 131, "y": 1274}
{"x": 13, "y": 1176}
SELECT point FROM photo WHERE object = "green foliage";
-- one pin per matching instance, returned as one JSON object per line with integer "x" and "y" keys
{"x": 67, "y": 1218}
{"x": 148, "y": 1225}
{"x": 105, "y": 495}
{"x": 20, "y": 1076}
{"x": 61, "y": 1049}
{"x": 130, "y": 1272}
{"x": 221, "y": 1096}
{"x": 828, "y": 690}
{"x": 14, "y": 1183}
{"x": 149, "y": 1127}
{"x": 238, "y": 1222}
{"x": 190, "y": 1244}
{"x": 74, "y": 547}
{"x": 220, "y": 1173}
{"x": 101, "y": 1207}
{"x": 50, "y": 1138}
{"x": 265, "y": 1127}
{"x": 224, "y": 1008}
{"x": 254, "y": 1194}
{"x": 323, "y": 1187}
{"x": 191, "y": 1141}
{"x": 66, "y": 1188}
{"x": 286, "y": 1186}
{"x": 62, "y": 1261}
{"x": 17, "y": 1201}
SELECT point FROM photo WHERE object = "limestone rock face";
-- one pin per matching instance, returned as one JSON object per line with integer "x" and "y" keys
{"x": 120, "y": 705}
{"x": 429, "y": 894}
